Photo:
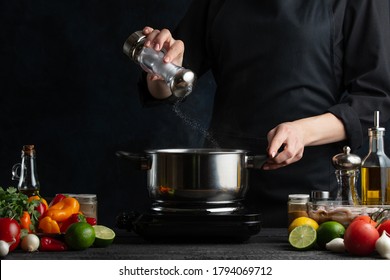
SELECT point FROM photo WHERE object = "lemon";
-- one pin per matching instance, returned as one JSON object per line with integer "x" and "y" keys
{"x": 328, "y": 231}
{"x": 104, "y": 236}
{"x": 303, "y": 237}
{"x": 80, "y": 236}
{"x": 302, "y": 221}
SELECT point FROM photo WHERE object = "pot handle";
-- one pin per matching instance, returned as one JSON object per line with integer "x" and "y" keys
{"x": 142, "y": 162}
{"x": 255, "y": 162}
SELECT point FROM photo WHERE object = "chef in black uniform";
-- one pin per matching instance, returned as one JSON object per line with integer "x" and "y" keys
{"x": 296, "y": 79}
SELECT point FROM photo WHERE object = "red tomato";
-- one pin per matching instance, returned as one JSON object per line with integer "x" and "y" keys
{"x": 10, "y": 231}
{"x": 384, "y": 226}
{"x": 360, "y": 238}
{"x": 365, "y": 218}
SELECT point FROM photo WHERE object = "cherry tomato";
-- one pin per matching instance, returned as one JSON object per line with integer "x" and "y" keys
{"x": 9, "y": 232}
{"x": 360, "y": 237}
{"x": 384, "y": 226}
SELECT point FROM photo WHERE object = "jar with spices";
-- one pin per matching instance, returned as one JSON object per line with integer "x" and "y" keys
{"x": 297, "y": 206}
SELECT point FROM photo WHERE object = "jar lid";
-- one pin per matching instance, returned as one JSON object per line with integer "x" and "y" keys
{"x": 346, "y": 160}
{"x": 320, "y": 195}
{"x": 300, "y": 197}
{"x": 84, "y": 197}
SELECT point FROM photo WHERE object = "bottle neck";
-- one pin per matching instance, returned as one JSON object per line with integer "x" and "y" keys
{"x": 376, "y": 143}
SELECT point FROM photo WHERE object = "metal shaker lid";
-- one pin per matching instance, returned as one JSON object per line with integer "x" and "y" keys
{"x": 346, "y": 160}
{"x": 134, "y": 44}
{"x": 319, "y": 195}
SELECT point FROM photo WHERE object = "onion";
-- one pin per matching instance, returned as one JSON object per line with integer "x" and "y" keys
{"x": 30, "y": 243}
{"x": 4, "y": 247}
{"x": 382, "y": 245}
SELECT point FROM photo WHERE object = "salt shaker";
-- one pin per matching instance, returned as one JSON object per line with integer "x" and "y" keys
{"x": 347, "y": 172}
{"x": 179, "y": 79}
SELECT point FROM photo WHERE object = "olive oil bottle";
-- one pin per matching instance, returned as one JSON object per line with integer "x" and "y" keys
{"x": 28, "y": 177}
{"x": 375, "y": 170}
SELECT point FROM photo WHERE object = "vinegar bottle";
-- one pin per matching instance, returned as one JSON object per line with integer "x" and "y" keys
{"x": 375, "y": 171}
{"x": 28, "y": 177}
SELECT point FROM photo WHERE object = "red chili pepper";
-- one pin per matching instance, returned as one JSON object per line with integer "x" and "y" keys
{"x": 90, "y": 220}
{"x": 52, "y": 244}
{"x": 74, "y": 218}
{"x": 57, "y": 198}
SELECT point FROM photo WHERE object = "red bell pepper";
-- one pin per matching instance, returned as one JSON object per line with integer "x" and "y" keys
{"x": 90, "y": 220}
{"x": 52, "y": 244}
{"x": 57, "y": 198}
{"x": 74, "y": 218}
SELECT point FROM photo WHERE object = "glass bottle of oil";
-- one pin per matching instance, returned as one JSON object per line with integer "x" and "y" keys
{"x": 375, "y": 169}
{"x": 28, "y": 177}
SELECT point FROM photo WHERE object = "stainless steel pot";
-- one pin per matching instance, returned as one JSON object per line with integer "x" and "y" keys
{"x": 202, "y": 177}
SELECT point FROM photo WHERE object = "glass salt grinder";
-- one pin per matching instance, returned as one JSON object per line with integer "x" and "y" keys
{"x": 179, "y": 79}
{"x": 347, "y": 173}
{"x": 375, "y": 169}
{"x": 28, "y": 177}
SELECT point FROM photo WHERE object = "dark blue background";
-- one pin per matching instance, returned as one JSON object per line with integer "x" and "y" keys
{"x": 66, "y": 87}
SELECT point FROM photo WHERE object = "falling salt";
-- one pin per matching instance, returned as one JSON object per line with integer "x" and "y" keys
{"x": 194, "y": 124}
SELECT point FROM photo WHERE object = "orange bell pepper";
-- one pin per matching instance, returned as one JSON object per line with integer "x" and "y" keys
{"x": 48, "y": 225}
{"x": 25, "y": 221}
{"x": 62, "y": 210}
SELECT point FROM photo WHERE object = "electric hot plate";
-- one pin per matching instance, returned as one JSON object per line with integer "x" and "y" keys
{"x": 237, "y": 226}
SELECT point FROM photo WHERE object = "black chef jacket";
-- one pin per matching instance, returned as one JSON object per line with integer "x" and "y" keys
{"x": 276, "y": 61}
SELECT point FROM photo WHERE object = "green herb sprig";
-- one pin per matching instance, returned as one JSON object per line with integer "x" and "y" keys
{"x": 13, "y": 203}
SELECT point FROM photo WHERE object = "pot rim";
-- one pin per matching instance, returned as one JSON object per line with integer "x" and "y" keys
{"x": 203, "y": 151}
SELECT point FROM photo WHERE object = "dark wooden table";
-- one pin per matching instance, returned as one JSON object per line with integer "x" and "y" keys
{"x": 268, "y": 244}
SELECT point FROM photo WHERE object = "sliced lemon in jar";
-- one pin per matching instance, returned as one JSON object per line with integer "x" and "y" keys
{"x": 303, "y": 237}
{"x": 104, "y": 236}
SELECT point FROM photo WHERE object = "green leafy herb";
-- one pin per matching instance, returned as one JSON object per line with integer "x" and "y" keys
{"x": 13, "y": 203}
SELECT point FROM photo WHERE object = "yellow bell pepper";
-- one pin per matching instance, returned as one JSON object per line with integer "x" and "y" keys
{"x": 48, "y": 225}
{"x": 62, "y": 210}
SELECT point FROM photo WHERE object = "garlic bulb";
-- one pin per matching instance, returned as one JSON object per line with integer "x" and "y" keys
{"x": 382, "y": 245}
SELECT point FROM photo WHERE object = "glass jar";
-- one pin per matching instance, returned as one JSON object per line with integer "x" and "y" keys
{"x": 88, "y": 204}
{"x": 297, "y": 206}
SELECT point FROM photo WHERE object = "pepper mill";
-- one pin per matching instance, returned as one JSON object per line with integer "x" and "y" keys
{"x": 347, "y": 172}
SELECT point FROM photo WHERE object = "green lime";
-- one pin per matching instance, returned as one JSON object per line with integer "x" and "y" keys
{"x": 104, "y": 236}
{"x": 327, "y": 231}
{"x": 303, "y": 237}
{"x": 80, "y": 236}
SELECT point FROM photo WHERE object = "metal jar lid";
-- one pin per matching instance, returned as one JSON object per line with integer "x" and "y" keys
{"x": 346, "y": 160}
{"x": 320, "y": 195}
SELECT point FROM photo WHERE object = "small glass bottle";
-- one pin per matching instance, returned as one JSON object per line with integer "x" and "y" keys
{"x": 179, "y": 79}
{"x": 297, "y": 206}
{"x": 347, "y": 172}
{"x": 375, "y": 184}
{"x": 28, "y": 177}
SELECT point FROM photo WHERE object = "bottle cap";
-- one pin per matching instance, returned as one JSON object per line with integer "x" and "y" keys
{"x": 346, "y": 160}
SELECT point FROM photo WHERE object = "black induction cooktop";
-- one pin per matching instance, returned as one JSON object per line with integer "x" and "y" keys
{"x": 237, "y": 226}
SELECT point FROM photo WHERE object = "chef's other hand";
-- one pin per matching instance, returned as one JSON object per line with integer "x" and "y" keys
{"x": 285, "y": 145}
{"x": 162, "y": 39}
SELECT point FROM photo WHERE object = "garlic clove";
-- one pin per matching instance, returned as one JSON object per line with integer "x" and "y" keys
{"x": 382, "y": 245}
{"x": 336, "y": 245}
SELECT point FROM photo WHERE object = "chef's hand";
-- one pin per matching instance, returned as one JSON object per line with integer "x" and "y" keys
{"x": 287, "y": 141}
{"x": 285, "y": 145}
{"x": 174, "y": 52}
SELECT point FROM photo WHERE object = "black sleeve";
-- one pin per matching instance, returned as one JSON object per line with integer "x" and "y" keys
{"x": 366, "y": 64}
